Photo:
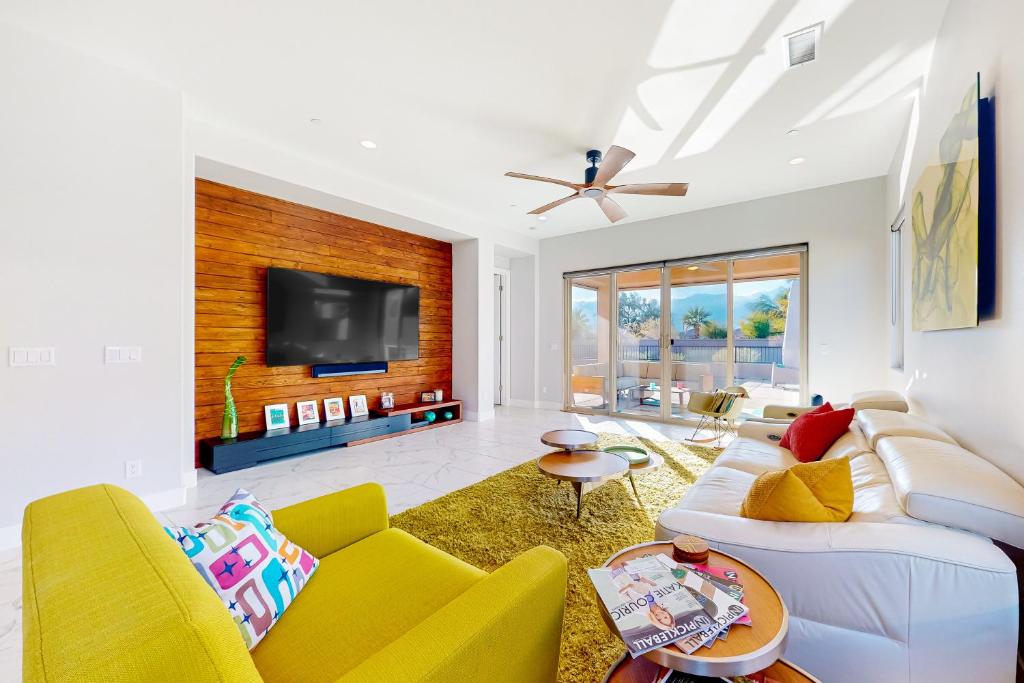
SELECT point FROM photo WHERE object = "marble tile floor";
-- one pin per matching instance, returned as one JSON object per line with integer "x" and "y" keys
{"x": 413, "y": 470}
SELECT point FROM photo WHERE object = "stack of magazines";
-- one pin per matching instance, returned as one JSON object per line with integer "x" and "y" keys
{"x": 670, "y": 676}
{"x": 655, "y": 601}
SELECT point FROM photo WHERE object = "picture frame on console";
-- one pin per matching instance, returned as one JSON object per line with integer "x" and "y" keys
{"x": 307, "y": 412}
{"x": 357, "y": 405}
{"x": 387, "y": 400}
{"x": 334, "y": 409}
{"x": 276, "y": 416}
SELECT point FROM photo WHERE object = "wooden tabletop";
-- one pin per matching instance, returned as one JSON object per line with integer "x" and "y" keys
{"x": 640, "y": 670}
{"x": 568, "y": 439}
{"x": 748, "y": 648}
{"x": 582, "y": 466}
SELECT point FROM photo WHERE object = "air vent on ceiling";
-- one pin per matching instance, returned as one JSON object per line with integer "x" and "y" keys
{"x": 802, "y": 46}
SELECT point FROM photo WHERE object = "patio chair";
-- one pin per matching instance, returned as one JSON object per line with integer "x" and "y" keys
{"x": 720, "y": 420}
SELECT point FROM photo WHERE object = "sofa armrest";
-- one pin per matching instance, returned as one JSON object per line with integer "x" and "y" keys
{"x": 505, "y": 628}
{"x": 329, "y": 523}
{"x": 762, "y": 430}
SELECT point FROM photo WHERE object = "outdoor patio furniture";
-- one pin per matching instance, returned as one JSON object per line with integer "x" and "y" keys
{"x": 721, "y": 421}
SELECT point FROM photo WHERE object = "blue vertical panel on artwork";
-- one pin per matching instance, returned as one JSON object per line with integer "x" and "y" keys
{"x": 986, "y": 207}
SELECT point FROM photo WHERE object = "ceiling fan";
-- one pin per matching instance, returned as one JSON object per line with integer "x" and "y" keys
{"x": 596, "y": 187}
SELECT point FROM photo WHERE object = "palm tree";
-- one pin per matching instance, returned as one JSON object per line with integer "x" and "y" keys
{"x": 696, "y": 317}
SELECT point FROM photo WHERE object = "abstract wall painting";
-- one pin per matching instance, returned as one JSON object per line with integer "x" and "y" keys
{"x": 944, "y": 292}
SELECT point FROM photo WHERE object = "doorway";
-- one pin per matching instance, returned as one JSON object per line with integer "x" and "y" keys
{"x": 502, "y": 315}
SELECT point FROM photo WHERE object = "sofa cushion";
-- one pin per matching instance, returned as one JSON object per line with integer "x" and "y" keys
{"x": 720, "y": 490}
{"x": 850, "y": 444}
{"x": 365, "y": 596}
{"x": 811, "y": 438}
{"x": 878, "y": 424}
{"x": 755, "y": 456}
{"x": 806, "y": 492}
{"x": 879, "y": 400}
{"x": 252, "y": 567}
{"x": 943, "y": 483}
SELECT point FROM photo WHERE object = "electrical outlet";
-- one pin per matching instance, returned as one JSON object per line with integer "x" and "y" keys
{"x": 132, "y": 469}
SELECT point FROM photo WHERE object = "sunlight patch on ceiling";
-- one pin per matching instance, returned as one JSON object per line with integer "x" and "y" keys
{"x": 887, "y": 76}
{"x": 721, "y": 32}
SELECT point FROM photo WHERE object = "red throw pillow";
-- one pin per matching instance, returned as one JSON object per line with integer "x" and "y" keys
{"x": 817, "y": 434}
{"x": 784, "y": 441}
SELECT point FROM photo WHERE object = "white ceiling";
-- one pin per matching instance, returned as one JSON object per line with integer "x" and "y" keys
{"x": 456, "y": 93}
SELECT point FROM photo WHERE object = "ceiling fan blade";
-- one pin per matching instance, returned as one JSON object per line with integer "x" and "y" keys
{"x": 557, "y": 202}
{"x": 556, "y": 181}
{"x": 666, "y": 189}
{"x": 611, "y": 208}
{"x": 614, "y": 161}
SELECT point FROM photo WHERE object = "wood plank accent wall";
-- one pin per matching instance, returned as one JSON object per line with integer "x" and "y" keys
{"x": 238, "y": 235}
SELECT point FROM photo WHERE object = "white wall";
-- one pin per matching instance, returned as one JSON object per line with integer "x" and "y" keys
{"x": 473, "y": 327}
{"x": 92, "y": 170}
{"x": 523, "y": 330}
{"x": 968, "y": 381}
{"x": 846, "y": 232}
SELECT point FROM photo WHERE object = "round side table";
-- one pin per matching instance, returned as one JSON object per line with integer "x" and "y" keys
{"x": 569, "y": 439}
{"x": 748, "y": 649}
{"x": 581, "y": 467}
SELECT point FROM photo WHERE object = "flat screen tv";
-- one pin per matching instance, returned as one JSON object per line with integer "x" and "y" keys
{"x": 314, "y": 319}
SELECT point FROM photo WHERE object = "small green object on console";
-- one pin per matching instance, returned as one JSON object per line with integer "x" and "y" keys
{"x": 430, "y": 415}
{"x": 447, "y": 415}
{"x": 229, "y": 428}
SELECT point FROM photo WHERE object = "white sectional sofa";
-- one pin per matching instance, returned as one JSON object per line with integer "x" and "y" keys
{"x": 910, "y": 588}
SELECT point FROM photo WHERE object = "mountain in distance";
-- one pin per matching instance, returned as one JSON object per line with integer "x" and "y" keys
{"x": 713, "y": 303}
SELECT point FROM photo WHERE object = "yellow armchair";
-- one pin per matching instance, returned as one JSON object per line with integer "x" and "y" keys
{"x": 383, "y": 605}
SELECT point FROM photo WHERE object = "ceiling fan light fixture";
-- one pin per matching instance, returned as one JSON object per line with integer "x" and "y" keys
{"x": 593, "y": 192}
{"x": 542, "y": 218}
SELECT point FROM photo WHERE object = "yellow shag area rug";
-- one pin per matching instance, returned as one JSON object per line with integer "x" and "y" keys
{"x": 489, "y": 523}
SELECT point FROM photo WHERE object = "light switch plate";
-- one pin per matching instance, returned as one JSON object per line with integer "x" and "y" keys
{"x": 30, "y": 356}
{"x": 132, "y": 469}
{"x": 122, "y": 354}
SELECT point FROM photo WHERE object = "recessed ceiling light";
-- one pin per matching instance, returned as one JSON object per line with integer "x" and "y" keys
{"x": 512, "y": 205}
{"x": 793, "y": 131}
{"x": 315, "y": 121}
{"x": 542, "y": 218}
{"x": 368, "y": 144}
{"x": 795, "y": 161}
{"x": 693, "y": 267}
{"x": 533, "y": 227}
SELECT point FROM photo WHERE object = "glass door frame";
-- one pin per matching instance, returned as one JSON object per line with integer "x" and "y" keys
{"x": 665, "y": 341}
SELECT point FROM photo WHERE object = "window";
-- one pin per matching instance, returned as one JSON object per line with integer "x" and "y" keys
{"x": 896, "y": 292}
{"x": 642, "y": 339}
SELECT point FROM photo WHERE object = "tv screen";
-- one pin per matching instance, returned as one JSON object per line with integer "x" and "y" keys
{"x": 314, "y": 318}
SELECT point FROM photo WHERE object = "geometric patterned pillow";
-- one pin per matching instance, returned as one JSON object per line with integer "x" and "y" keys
{"x": 254, "y": 569}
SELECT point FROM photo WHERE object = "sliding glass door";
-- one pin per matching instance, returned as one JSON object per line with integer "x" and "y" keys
{"x": 588, "y": 300}
{"x": 686, "y": 326}
{"x": 638, "y": 372}
{"x": 701, "y": 345}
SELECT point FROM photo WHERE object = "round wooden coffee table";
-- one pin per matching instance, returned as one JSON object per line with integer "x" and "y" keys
{"x": 581, "y": 467}
{"x": 747, "y": 650}
{"x": 568, "y": 439}
{"x": 640, "y": 670}
{"x": 653, "y": 462}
